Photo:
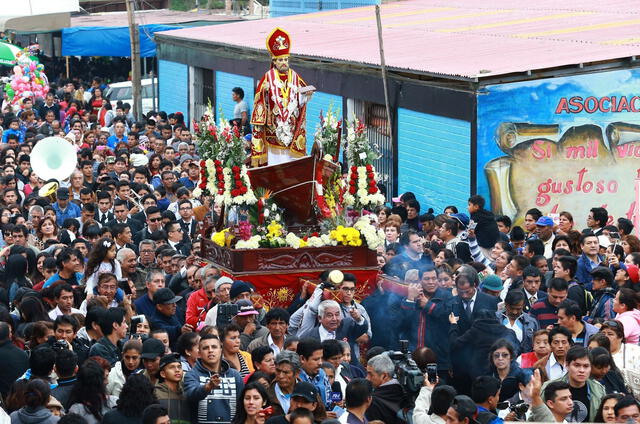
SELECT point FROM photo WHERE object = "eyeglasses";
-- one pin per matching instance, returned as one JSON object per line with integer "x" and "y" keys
{"x": 499, "y": 355}
{"x": 155, "y": 219}
{"x": 348, "y": 289}
{"x": 185, "y": 208}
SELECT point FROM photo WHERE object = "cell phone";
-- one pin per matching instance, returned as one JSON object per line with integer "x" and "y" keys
{"x": 432, "y": 373}
{"x": 472, "y": 225}
{"x": 268, "y": 411}
{"x": 124, "y": 285}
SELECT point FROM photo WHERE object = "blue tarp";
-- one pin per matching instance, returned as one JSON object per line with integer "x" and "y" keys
{"x": 109, "y": 41}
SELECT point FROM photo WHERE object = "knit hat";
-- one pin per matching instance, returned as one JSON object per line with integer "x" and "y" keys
{"x": 632, "y": 270}
{"x": 239, "y": 287}
{"x": 222, "y": 280}
{"x": 492, "y": 282}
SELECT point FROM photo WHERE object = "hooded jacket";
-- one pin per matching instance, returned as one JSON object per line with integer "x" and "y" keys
{"x": 470, "y": 351}
{"x": 486, "y": 228}
{"x": 631, "y": 322}
{"x": 28, "y": 415}
{"x": 219, "y": 405}
{"x": 175, "y": 402}
{"x": 386, "y": 400}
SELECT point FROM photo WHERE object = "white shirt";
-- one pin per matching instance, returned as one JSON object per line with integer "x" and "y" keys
{"x": 516, "y": 327}
{"x": 326, "y": 335}
{"x": 55, "y": 313}
{"x": 272, "y": 345}
{"x": 554, "y": 368}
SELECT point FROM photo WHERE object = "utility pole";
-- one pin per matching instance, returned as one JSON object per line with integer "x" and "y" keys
{"x": 135, "y": 60}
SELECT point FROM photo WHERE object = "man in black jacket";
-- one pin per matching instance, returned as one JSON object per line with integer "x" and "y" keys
{"x": 486, "y": 226}
{"x": 11, "y": 355}
{"x": 469, "y": 299}
{"x": 388, "y": 397}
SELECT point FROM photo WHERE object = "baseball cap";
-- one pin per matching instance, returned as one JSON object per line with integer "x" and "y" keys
{"x": 152, "y": 348}
{"x": 165, "y": 296}
{"x": 169, "y": 359}
{"x": 545, "y": 221}
{"x": 305, "y": 390}
{"x": 62, "y": 193}
{"x": 632, "y": 270}
{"x": 397, "y": 199}
{"x": 245, "y": 307}
{"x": 223, "y": 280}
{"x": 462, "y": 218}
{"x": 465, "y": 407}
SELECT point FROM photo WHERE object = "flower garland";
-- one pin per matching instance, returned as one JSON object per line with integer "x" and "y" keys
{"x": 363, "y": 189}
{"x": 373, "y": 237}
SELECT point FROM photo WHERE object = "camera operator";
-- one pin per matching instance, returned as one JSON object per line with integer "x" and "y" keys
{"x": 388, "y": 396}
{"x": 432, "y": 403}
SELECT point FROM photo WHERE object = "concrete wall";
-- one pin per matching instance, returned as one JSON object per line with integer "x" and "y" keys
{"x": 173, "y": 80}
{"x": 224, "y": 83}
{"x": 433, "y": 159}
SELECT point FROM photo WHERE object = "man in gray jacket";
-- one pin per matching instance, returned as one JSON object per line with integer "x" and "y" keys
{"x": 212, "y": 386}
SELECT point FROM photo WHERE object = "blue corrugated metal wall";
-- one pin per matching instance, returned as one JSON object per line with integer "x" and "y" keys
{"x": 434, "y": 159}
{"x": 224, "y": 83}
{"x": 320, "y": 102}
{"x": 295, "y": 7}
{"x": 173, "y": 80}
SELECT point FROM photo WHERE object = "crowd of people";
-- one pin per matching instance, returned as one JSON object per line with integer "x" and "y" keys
{"x": 108, "y": 316}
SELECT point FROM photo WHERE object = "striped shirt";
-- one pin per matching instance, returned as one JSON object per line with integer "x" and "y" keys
{"x": 544, "y": 312}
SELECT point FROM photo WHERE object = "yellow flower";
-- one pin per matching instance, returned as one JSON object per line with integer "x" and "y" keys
{"x": 274, "y": 230}
{"x": 220, "y": 237}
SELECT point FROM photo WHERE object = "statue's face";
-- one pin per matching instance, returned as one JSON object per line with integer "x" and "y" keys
{"x": 281, "y": 63}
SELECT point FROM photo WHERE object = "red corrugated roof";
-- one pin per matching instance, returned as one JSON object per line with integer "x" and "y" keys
{"x": 465, "y": 38}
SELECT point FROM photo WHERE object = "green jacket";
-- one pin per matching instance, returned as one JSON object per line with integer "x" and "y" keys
{"x": 175, "y": 402}
{"x": 596, "y": 393}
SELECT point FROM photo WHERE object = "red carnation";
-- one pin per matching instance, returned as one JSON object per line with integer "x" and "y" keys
{"x": 354, "y": 169}
{"x": 220, "y": 184}
{"x": 372, "y": 183}
{"x": 243, "y": 189}
{"x": 369, "y": 168}
{"x": 373, "y": 190}
{"x": 314, "y": 234}
{"x": 371, "y": 175}
{"x": 203, "y": 185}
{"x": 352, "y": 182}
{"x": 220, "y": 191}
{"x": 352, "y": 190}
{"x": 202, "y": 164}
{"x": 216, "y": 162}
{"x": 235, "y": 192}
{"x": 235, "y": 169}
{"x": 238, "y": 183}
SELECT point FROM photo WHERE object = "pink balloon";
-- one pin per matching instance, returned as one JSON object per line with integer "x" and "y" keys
{"x": 14, "y": 84}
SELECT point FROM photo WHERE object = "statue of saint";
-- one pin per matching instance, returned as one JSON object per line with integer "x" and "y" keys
{"x": 279, "y": 108}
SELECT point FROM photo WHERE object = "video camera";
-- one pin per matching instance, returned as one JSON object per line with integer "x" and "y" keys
{"x": 407, "y": 372}
{"x": 520, "y": 408}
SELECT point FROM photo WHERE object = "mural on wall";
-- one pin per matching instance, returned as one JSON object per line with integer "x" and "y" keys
{"x": 569, "y": 143}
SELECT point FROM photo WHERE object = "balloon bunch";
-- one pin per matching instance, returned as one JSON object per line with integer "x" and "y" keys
{"x": 28, "y": 79}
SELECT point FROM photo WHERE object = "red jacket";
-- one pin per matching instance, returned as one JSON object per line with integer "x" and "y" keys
{"x": 197, "y": 308}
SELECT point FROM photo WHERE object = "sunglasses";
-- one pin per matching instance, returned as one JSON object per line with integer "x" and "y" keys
{"x": 613, "y": 324}
{"x": 155, "y": 219}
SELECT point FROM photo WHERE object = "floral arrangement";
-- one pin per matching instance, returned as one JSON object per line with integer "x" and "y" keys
{"x": 362, "y": 192}
{"x": 347, "y": 236}
{"x": 28, "y": 79}
{"x": 223, "y": 150}
{"x": 373, "y": 237}
{"x": 328, "y": 134}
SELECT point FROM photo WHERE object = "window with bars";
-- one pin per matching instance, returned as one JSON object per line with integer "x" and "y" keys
{"x": 202, "y": 91}
{"x": 374, "y": 116}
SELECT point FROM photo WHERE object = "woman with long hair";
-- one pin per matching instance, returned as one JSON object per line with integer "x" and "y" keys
{"x": 15, "y": 274}
{"x": 88, "y": 395}
{"x": 606, "y": 412}
{"x": 47, "y": 230}
{"x": 253, "y": 398}
{"x": 39, "y": 333}
{"x": 36, "y": 398}
{"x": 383, "y": 213}
{"x": 37, "y": 275}
{"x": 154, "y": 164}
{"x": 237, "y": 359}
{"x": 630, "y": 244}
{"x": 124, "y": 368}
{"x": 96, "y": 101}
{"x": 137, "y": 393}
{"x": 604, "y": 370}
{"x": 32, "y": 310}
{"x": 625, "y": 305}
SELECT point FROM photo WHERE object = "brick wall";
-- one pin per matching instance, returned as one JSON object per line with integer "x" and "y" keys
{"x": 173, "y": 80}
{"x": 434, "y": 159}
